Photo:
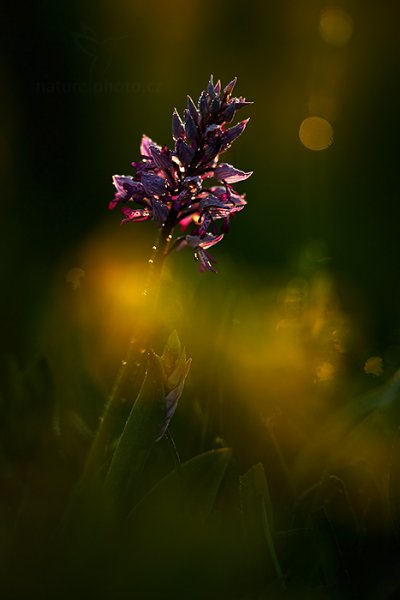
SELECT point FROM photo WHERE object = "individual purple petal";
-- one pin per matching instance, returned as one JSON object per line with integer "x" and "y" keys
{"x": 206, "y": 260}
{"x": 211, "y": 151}
{"x": 145, "y": 145}
{"x": 205, "y": 222}
{"x": 211, "y": 201}
{"x": 217, "y": 87}
{"x": 190, "y": 126}
{"x": 153, "y": 184}
{"x": 195, "y": 241}
{"x": 214, "y": 212}
{"x": 228, "y": 173}
{"x": 228, "y": 114}
{"x": 139, "y": 214}
{"x": 161, "y": 157}
{"x": 238, "y": 200}
{"x": 210, "y": 240}
{"x": 159, "y": 209}
{"x": 193, "y": 110}
{"x": 229, "y": 89}
{"x": 178, "y": 129}
{"x": 215, "y": 105}
{"x": 230, "y": 135}
{"x": 220, "y": 192}
{"x": 127, "y": 187}
{"x": 203, "y": 106}
{"x": 235, "y": 202}
{"x": 241, "y": 102}
{"x": 211, "y": 88}
{"x": 184, "y": 152}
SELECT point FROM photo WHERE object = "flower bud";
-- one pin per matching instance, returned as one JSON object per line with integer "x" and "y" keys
{"x": 175, "y": 368}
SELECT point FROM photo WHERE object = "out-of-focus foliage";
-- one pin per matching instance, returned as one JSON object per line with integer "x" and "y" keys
{"x": 278, "y": 376}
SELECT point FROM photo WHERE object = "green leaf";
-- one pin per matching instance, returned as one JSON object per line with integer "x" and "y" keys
{"x": 258, "y": 522}
{"x": 166, "y": 542}
{"x": 330, "y": 560}
{"x": 140, "y": 433}
{"x": 186, "y": 494}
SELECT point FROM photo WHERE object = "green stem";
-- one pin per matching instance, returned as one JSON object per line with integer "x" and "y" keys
{"x": 138, "y": 344}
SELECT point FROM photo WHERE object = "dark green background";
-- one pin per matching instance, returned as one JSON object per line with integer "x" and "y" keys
{"x": 83, "y": 80}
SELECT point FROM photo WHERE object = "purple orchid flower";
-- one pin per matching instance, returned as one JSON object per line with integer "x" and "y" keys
{"x": 169, "y": 185}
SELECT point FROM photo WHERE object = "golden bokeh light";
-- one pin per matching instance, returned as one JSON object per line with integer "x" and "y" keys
{"x": 316, "y": 133}
{"x": 335, "y": 26}
{"x": 325, "y": 371}
{"x": 374, "y": 366}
